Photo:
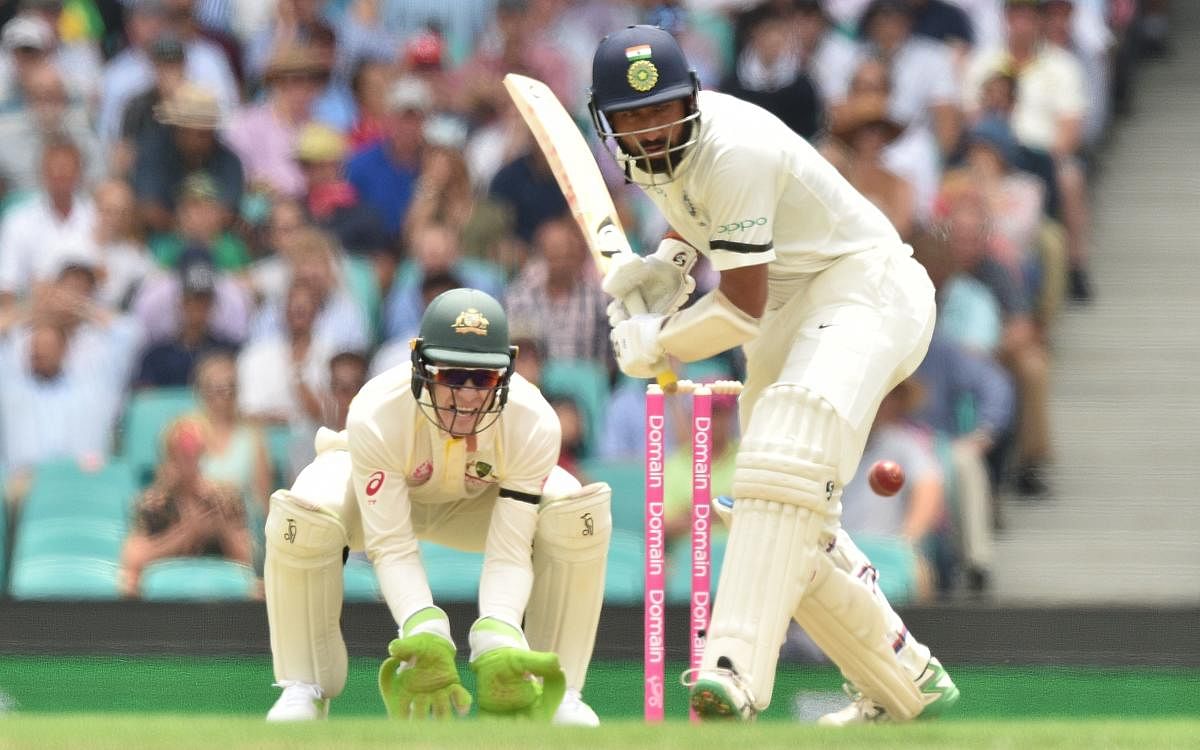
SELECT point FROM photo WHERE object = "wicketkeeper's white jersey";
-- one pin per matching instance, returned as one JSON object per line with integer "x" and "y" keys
{"x": 752, "y": 191}
{"x": 399, "y": 457}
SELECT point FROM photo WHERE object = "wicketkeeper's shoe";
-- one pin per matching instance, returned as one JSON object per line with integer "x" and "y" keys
{"x": 300, "y": 701}
{"x": 573, "y": 712}
{"x": 937, "y": 689}
{"x": 719, "y": 693}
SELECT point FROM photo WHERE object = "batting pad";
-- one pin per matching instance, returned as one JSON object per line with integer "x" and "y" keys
{"x": 570, "y": 553}
{"x": 302, "y": 576}
{"x": 848, "y": 617}
{"x": 769, "y": 561}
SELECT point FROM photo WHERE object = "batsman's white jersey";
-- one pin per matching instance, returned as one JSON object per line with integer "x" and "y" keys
{"x": 391, "y": 479}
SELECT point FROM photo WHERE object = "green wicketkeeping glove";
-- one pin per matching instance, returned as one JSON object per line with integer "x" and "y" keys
{"x": 419, "y": 678}
{"x": 511, "y": 680}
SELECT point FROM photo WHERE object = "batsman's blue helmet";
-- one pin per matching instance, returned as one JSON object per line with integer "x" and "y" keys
{"x": 639, "y": 66}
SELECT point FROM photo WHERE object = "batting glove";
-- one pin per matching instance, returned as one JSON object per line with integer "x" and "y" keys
{"x": 659, "y": 284}
{"x": 636, "y": 347}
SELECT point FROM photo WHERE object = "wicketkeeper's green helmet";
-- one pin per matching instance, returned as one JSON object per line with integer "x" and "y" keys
{"x": 464, "y": 334}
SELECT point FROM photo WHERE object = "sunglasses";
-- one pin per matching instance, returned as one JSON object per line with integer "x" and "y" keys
{"x": 459, "y": 377}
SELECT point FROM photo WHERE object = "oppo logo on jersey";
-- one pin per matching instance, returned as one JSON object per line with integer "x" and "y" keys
{"x": 738, "y": 226}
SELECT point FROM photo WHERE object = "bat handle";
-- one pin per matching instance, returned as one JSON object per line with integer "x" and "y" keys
{"x": 666, "y": 378}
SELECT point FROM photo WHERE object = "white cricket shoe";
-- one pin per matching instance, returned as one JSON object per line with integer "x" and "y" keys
{"x": 299, "y": 701}
{"x": 720, "y": 693}
{"x": 937, "y": 690}
{"x": 573, "y": 712}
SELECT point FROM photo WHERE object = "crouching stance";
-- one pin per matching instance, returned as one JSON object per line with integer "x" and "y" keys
{"x": 457, "y": 450}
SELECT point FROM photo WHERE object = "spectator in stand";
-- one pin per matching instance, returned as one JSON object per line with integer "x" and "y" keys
{"x": 526, "y": 185}
{"x": 385, "y": 174}
{"x": 1047, "y": 118}
{"x": 264, "y": 136}
{"x": 56, "y": 223}
{"x": 954, "y": 377}
{"x": 945, "y": 22}
{"x": 443, "y": 195}
{"x": 236, "y": 449}
{"x": 558, "y": 296}
{"x": 313, "y": 260}
{"x": 914, "y": 513}
{"x": 45, "y": 113}
{"x": 285, "y": 375}
{"x": 825, "y": 52}
{"x": 334, "y": 205}
{"x": 967, "y": 310}
{"x": 436, "y": 249}
{"x": 201, "y": 224}
{"x": 171, "y": 362}
{"x": 185, "y": 143}
{"x": 861, "y": 134}
{"x": 30, "y": 39}
{"x": 398, "y": 350}
{"x": 131, "y": 72}
{"x": 124, "y": 260}
{"x": 1021, "y": 349}
{"x": 183, "y": 514}
{"x": 768, "y": 74}
{"x": 167, "y": 58}
{"x": 370, "y": 84}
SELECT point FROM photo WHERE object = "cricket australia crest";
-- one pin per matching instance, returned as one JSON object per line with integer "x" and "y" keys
{"x": 471, "y": 321}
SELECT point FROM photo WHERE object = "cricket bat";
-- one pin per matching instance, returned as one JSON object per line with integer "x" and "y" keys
{"x": 578, "y": 177}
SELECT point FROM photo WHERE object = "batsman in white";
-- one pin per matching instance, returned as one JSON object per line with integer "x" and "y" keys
{"x": 831, "y": 311}
{"x": 455, "y": 449}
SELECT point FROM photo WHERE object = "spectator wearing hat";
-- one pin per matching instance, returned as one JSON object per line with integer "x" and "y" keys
{"x": 56, "y": 223}
{"x": 131, "y": 71}
{"x": 187, "y": 143}
{"x": 171, "y": 362}
{"x": 861, "y": 133}
{"x": 168, "y": 58}
{"x": 944, "y": 22}
{"x": 333, "y": 203}
{"x": 45, "y": 112}
{"x": 1047, "y": 118}
{"x": 27, "y": 42}
{"x": 76, "y": 47}
{"x": 386, "y": 173}
{"x": 264, "y": 135}
{"x": 201, "y": 223}
{"x": 768, "y": 73}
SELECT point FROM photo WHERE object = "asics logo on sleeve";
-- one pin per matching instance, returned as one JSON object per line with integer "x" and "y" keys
{"x": 740, "y": 226}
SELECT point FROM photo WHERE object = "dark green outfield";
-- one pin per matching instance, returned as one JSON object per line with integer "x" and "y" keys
{"x": 243, "y": 686}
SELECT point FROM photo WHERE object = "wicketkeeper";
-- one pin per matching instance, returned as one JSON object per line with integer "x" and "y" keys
{"x": 458, "y": 450}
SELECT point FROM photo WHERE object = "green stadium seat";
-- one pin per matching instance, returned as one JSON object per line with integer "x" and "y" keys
{"x": 679, "y": 571}
{"x": 628, "y": 482}
{"x": 359, "y": 581}
{"x": 57, "y": 577}
{"x": 584, "y": 381}
{"x": 453, "y": 574}
{"x": 626, "y": 573}
{"x": 3, "y": 536}
{"x": 61, "y": 489}
{"x": 149, "y": 412}
{"x": 197, "y": 579}
{"x": 70, "y": 537}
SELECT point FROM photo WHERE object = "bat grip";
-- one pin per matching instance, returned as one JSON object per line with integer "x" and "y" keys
{"x": 666, "y": 378}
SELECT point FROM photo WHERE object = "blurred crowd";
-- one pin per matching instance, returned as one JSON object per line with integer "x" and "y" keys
{"x": 254, "y": 201}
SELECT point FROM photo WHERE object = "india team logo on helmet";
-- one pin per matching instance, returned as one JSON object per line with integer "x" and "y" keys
{"x": 641, "y": 74}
